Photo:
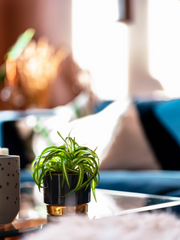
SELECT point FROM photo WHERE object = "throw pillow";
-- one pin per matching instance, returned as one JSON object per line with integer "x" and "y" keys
{"x": 117, "y": 132}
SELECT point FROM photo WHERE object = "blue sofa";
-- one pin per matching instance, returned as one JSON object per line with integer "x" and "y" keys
{"x": 148, "y": 182}
{"x": 161, "y": 123}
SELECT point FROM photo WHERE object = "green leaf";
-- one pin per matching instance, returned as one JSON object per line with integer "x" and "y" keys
{"x": 61, "y": 137}
{"x": 20, "y": 45}
{"x": 64, "y": 172}
{"x": 93, "y": 186}
{"x": 80, "y": 180}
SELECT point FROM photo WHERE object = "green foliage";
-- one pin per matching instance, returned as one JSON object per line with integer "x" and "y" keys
{"x": 68, "y": 158}
{"x": 2, "y": 73}
{"x": 20, "y": 45}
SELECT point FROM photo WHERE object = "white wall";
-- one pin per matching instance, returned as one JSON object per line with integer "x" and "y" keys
{"x": 140, "y": 80}
{"x": 139, "y": 57}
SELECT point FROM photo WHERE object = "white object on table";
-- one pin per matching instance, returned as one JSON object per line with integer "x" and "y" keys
{"x": 4, "y": 151}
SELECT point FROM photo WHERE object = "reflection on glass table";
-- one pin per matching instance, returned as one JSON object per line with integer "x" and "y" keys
{"x": 113, "y": 203}
{"x": 33, "y": 216}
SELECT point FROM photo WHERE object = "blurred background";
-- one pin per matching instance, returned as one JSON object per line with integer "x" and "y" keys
{"x": 80, "y": 52}
{"x": 124, "y": 48}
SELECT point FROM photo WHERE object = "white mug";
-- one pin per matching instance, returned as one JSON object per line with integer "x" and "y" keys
{"x": 9, "y": 187}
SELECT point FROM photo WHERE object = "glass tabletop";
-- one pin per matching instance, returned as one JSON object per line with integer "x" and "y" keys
{"x": 33, "y": 216}
{"x": 111, "y": 203}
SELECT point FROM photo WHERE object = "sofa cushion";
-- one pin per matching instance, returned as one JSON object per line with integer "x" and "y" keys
{"x": 161, "y": 123}
{"x": 118, "y": 134}
{"x": 148, "y": 182}
{"x": 129, "y": 148}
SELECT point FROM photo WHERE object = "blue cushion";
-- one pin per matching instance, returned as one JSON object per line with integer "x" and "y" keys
{"x": 169, "y": 115}
{"x": 148, "y": 182}
{"x": 161, "y": 123}
{"x": 100, "y": 105}
{"x": 25, "y": 176}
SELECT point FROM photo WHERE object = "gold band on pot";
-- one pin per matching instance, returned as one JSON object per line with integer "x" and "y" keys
{"x": 57, "y": 210}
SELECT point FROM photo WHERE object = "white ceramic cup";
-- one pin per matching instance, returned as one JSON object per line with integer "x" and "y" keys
{"x": 9, "y": 187}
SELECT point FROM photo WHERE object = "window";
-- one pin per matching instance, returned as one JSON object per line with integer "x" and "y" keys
{"x": 100, "y": 45}
{"x": 164, "y": 44}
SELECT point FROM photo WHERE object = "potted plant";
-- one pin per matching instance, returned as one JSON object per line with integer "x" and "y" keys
{"x": 66, "y": 173}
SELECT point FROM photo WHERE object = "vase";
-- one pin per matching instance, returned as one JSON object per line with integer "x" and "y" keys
{"x": 9, "y": 188}
{"x": 57, "y": 203}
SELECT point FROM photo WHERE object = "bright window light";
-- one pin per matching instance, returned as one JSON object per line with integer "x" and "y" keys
{"x": 164, "y": 44}
{"x": 100, "y": 45}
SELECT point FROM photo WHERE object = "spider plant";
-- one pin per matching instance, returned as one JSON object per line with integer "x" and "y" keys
{"x": 65, "y": 159}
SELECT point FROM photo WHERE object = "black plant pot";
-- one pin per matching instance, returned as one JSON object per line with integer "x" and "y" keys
{"x": 57, "y": 203}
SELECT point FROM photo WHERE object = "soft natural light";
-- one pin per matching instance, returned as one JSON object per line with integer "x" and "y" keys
{"x": 100, "y": 45}
{"x": 164, "y": 44}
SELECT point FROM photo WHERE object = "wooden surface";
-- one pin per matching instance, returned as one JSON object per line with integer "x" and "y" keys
{"x": 23, "y": 225}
